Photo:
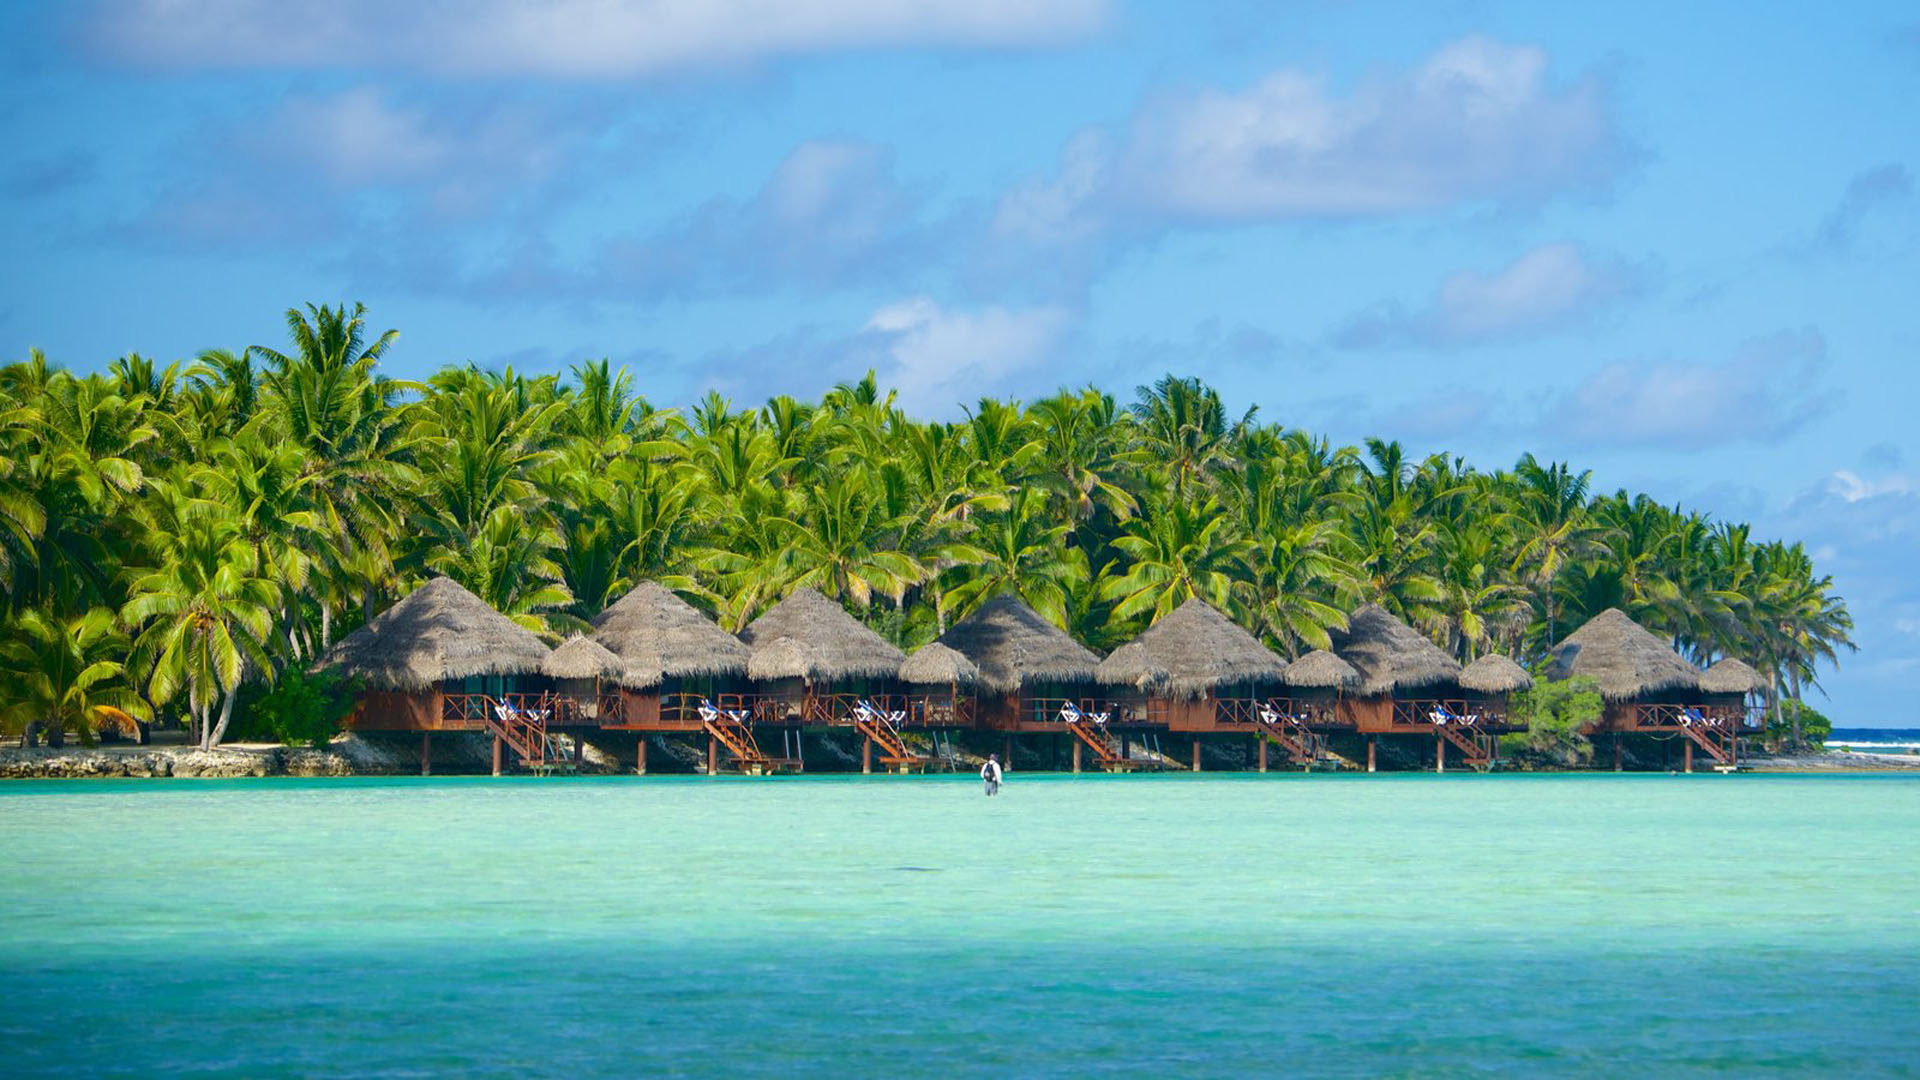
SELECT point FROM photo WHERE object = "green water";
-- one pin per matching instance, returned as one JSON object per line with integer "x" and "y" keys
{"x": 1400, "y": 925}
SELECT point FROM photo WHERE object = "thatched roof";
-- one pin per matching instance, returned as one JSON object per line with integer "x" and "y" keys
{"x": 1625, "y": 657}
{"x": 657, "y": 635}
{"x": 1012, "y": 645}
{"x": 1391, "y": 655}
{"x": 582, "y": 658}
{"x": 1322, "y": 670}
{"x": 439, "y": 631}
{"x": 1731, "y": 676}
{"x": 1190, "y": 653}
{"x": 936, "y": 663}
{"x": 807, "y": 636}
{"x": 1494, "y": 674}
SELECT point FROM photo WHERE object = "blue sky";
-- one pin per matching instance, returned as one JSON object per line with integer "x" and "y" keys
{"x": 1679, "y": 245}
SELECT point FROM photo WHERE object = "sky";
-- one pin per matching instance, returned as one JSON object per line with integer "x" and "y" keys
{"x": 1678, "y": 245}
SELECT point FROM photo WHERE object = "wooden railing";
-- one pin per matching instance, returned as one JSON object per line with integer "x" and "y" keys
{"x": 1427, "y": 714}
{"x": 1236, "y": 711}
{"x": 939, "y": 710}
{"x": 1714, "y": 728}
{"x": 1048, "y": 710}
{"x": 477, "y": 711}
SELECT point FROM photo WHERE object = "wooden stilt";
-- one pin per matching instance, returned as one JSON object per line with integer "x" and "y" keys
{"x": 1689, "y": 745}
{"x": 713, "y": 756}
{"x": 1371, "y": 747}
{"x": 496, "y": 755}
{"x": 1196, "y": 755}
{"x": 1439, "y": 754}
{"x": 799, "y": 751}
{"x": 579, "y": 752}
{"x": 640, "y": 756}
{"x": 1076, "y": 755}
{"x": 1263, "y": 753}
{"x": 866, "y": 757}
{"x": 1126, "y": 747}
{"x": 426, "y": 753}
{"x": 1617, "y": 767}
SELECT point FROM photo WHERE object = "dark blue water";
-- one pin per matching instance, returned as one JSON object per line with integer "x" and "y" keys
{"x": 1406, "y": 925}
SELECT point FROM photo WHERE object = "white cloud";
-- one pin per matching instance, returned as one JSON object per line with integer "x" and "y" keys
{"x": 587, "y": 39}
{"x": 1478, "y": 120}
{"x": 1768, "y": 390}
{"x": 1545, "y": 289}
{"x": 940, "y": 358}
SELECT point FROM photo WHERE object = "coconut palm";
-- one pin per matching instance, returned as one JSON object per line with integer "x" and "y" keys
{"x": 64, "y": 672}
{"x": 203, "y": 615}
{"x": 1176, "y": 551}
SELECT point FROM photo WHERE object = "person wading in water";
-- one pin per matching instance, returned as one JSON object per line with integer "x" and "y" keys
{"x": 990, "y": 773}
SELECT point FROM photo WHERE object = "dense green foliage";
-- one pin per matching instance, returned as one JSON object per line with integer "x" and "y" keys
{"x": 1798, "y": 724}
{"x": 1554, "y": 714}
{"x": 298, "y": 708}
{"x": 233, "y": 515}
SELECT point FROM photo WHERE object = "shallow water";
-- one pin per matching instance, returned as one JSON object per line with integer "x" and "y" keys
{"x": 1312, "y": 925}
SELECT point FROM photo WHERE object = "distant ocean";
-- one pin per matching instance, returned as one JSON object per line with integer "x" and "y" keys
{"x": 1876, "y": 740}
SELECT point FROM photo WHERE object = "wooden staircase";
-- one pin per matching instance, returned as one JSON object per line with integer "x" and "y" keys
{"x": 1476, "y": 747}
{"x": 1720, "y": 741}
{"x": 894, "y": 751}
{"x": 1106, "y": 748}
{"x": 745, "y": 753}
{"x": 524, "y": 731}
{"x": 1300, "y": 742}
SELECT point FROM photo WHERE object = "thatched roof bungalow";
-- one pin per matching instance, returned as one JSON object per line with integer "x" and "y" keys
{"x": 1322, "y": 669}
{"x": 1731, "y": 677}
{"x": 810, "y": 659}
{"x": 1494, "y": 675}
{"x": 583, "y": 672}
{"x": 1626, "y": 659}
{"x": 1392, "y": 657}
{"x": 671, "y": 656}
{"x": 940, "y": 686}
{"x": 437, "y": 643}
{"x": 1023, "y": 661}
{"x": 1190, "y": 665}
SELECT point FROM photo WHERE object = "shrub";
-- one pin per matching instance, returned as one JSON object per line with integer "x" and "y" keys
{"x": 1554, "y": 713}
{"x": 299, "y": 709}
{"x": 1814, "y": 727}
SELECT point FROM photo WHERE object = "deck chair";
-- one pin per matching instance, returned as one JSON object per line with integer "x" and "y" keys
{"x": 504, "y": 712}
{"x": 1441, "y": 715}
{"x": 708, "y": 714}
{"x": 875, "y": 713}
{"x": 1690, "y": 716}
{"x": 1268, "y": 714}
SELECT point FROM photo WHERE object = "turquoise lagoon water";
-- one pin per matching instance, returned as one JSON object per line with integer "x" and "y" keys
{"x": 1397, "y": 925}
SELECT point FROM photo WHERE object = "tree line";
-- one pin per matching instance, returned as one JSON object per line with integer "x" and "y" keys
{"x": 170, "y": 534}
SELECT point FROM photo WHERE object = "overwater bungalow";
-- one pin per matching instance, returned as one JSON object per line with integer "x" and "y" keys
{"x": 674, "y": 662}
{"x": 442, "y": 660}
{"x": 1198, "y": 671}
{"x": 1033, "y": 677}
{"x": 1409, "y": 686}
{"x": 1489, "y": 683}
{"x": 941, "y": 687}
{"x": 1648, "y": 688}
{"x": 1316, "y": 688}
{"x": 812, "y": 664}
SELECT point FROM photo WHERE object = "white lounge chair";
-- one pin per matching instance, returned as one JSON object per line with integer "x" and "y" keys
{"x": 1071, "y": 714}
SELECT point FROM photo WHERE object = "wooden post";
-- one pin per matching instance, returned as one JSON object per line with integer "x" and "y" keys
{"x": 1370, "y": 750}
{"x": 640, "y": 756}
{"x": 713, "y": 756}
{"x": 579, "y": 752}
{"x": 1076, "y": 754}
{"x": 496, "y": 755}
{"x": 1439, "y": 753}
{"x": 1616, "y": 752}
{"x": 1196, "y": 753}
{"x": 1126, "y": 747}
{"x": 866, "y": 756}
{"x": 1689, "y": 745}
{"x": 426, "y": 753}
{"x": 1263, "y": 752}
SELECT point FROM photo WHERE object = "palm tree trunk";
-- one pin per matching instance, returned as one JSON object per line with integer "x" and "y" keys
{"x": 1793, "y": 684}
{"x": 226, "y": 714}
{"x": 56, "y": 733}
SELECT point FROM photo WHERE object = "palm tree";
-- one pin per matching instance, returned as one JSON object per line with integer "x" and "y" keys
{"x": 1177, "y": 551}
{"x": 1551, "y": 522}
{"x": 1183, "y": 425}
{"x": 205, "y": 611}
{"x": 64, "y": 672}
{"x": 1025, "y": 551}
